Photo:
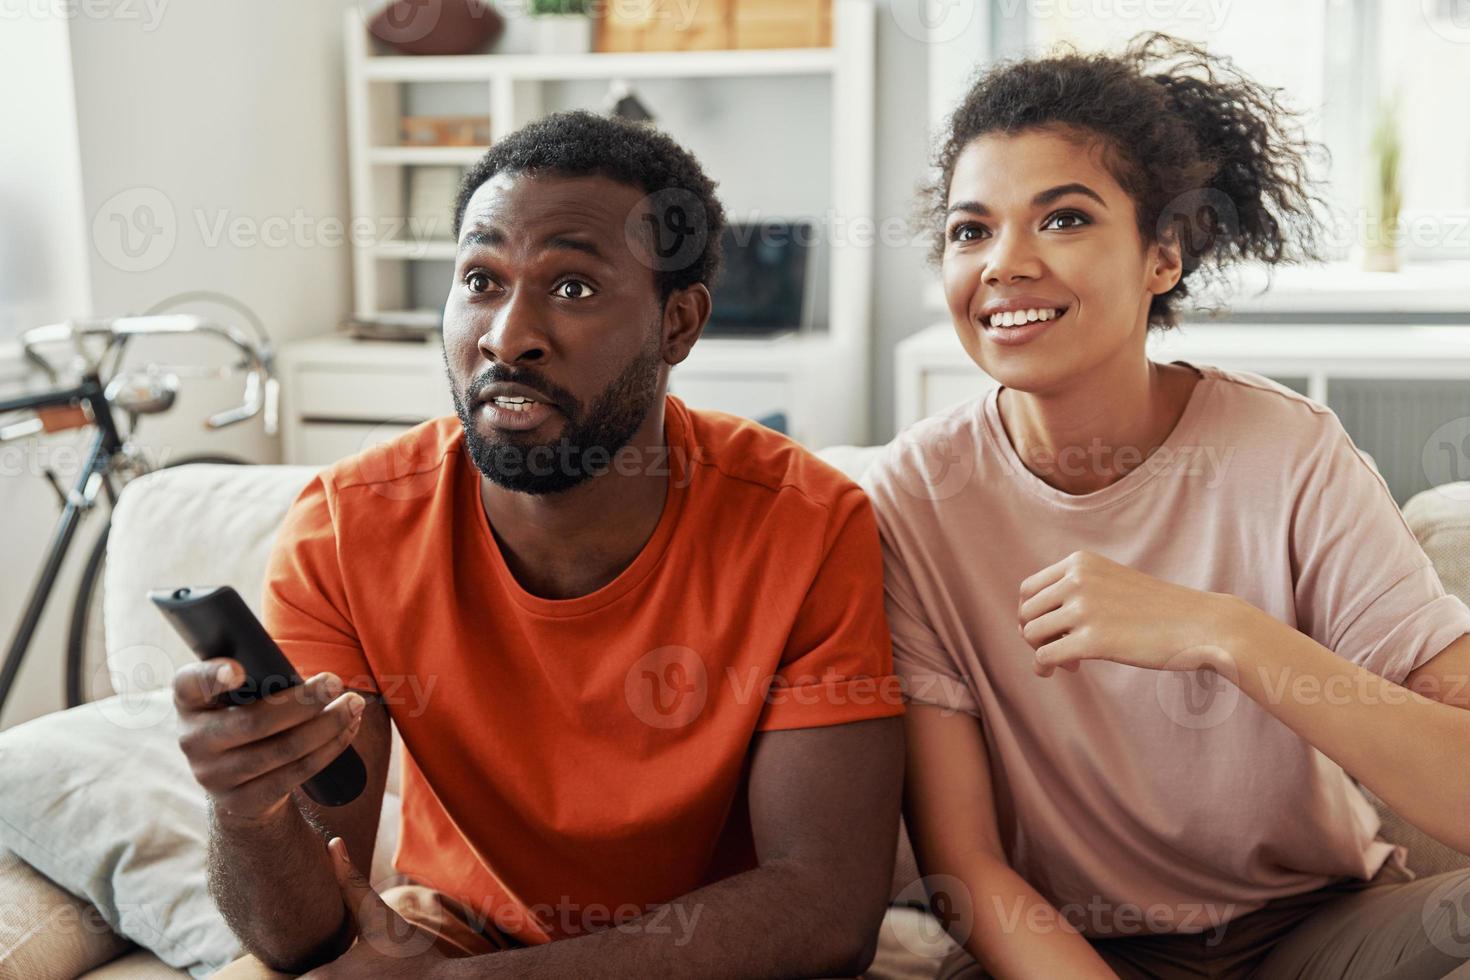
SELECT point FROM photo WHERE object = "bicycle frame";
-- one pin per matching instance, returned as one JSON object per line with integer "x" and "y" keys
{"x": 96, "y": 474}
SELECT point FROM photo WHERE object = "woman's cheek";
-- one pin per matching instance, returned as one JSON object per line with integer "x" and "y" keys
{"x": 960, "y": 275}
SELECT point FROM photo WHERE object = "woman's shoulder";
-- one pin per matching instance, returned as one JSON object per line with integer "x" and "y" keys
{"x": 1246, "y": 407}
{"x": 933, "y": 459}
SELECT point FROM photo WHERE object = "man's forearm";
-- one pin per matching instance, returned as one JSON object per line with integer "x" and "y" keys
{"x": 272, "y": 880}
{"x": 777, "y": 920}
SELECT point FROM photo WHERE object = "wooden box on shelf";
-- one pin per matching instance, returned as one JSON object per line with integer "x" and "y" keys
{"x": 781, "y": 24}
{"x": 665, "y": 25}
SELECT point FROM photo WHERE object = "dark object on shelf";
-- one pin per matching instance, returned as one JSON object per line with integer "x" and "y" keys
{"x": 765, "y": 286}
{"x": 437, "y": 26}
{"x": 624, "y": 103}
{"x": 416, "y": 325}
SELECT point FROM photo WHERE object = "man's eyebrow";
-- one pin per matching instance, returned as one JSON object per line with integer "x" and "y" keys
{"x": 576, "y": 245}
{"x": 1062, "y": 190}
{"x": 493, "y": 237}
{"x": 480, "y": 236}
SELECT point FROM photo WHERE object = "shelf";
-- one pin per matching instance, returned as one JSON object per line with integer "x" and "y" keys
{"x": 435, "y": 250}
{"x": 638, "y": 64}
{"x": 463, "y": 156}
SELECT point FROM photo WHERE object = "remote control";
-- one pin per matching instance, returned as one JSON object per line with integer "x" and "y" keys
{"x": 215, "y": 622}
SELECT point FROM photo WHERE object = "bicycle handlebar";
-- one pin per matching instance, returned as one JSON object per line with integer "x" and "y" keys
{"x": 262, "y": 389}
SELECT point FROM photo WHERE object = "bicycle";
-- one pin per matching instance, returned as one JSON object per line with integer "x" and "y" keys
{"x": 113, "y": 458}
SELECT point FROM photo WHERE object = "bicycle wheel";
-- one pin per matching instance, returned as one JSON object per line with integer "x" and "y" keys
{"x": 87, "y": 677}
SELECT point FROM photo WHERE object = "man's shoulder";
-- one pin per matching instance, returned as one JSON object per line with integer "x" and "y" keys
{"x": 393, "y": 465}
{"x": 741, "y": 458}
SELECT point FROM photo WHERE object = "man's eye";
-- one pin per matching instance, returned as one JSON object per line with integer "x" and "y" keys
{"x": 574, "y": 289}
{"x": 1066, "y": 220}
{"x": 477, "y": 282}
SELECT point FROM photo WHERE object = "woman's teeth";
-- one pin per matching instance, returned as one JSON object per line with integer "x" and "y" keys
{"x": 1018, "y": 317}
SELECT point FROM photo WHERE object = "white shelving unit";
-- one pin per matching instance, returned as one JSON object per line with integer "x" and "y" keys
{"x": 814, "y": 378}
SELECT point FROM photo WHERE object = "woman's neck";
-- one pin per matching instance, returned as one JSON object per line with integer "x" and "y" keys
{"x": 1090, "y": 433}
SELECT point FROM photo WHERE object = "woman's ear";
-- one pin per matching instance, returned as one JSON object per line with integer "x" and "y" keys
{"x": 1165, "y": 267}
{"x": 685, "y": 314}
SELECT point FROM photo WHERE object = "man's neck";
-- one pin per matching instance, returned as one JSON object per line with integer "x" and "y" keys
{"x": 569, "y": 544}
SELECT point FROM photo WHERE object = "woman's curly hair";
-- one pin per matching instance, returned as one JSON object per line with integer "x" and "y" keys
{"x": 1205, "y": 152}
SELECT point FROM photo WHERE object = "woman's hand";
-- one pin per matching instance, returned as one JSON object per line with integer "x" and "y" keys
{"x": 387, "y": 945}
{"x": 1086, "y": 607}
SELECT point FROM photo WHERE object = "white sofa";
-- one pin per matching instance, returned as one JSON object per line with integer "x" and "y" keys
{"x": 215, "y": 524}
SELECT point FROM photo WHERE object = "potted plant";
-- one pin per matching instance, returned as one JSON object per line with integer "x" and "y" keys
{"x": 1380, "y": 252}
{"x": 562, "y": 26}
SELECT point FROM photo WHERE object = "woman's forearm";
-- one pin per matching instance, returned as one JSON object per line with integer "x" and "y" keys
{"x": 1407, "y": 749}
{"x": 1017, "y": 933}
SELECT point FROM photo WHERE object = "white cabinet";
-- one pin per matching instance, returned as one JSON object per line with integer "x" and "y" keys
{"x": 340, "y": 395}
{"x": 1401, "y": 390}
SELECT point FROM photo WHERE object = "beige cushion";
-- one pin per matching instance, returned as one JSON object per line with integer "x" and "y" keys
{"x": 1440, "y": 519}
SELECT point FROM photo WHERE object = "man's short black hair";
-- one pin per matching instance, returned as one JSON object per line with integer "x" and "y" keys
{"x": 684, "y": 210}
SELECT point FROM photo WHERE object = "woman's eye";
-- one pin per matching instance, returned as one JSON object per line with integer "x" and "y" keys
{"x": 966, "y": 232}
{"x": 574, "y": 289}
{"x": 477, "y": 282}
{"x": 1066, "y": 220}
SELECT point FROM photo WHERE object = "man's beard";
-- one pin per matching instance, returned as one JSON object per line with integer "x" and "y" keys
{"x": 589, "y": 439}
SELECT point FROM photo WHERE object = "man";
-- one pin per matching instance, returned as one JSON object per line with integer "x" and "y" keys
{"x": 636, "y": 652}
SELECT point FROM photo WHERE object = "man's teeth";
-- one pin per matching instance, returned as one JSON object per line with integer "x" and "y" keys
{"x": 515, "y": 404}
{"x": 1018, "y": 317}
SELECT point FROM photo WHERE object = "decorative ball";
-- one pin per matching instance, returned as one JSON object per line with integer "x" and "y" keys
{"x": 437, "y": 26}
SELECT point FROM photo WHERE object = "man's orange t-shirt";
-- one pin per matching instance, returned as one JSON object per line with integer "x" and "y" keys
{"x": 568, "y": 759}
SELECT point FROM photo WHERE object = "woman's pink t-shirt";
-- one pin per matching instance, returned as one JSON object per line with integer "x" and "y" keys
{"x": 1146, "y": 800}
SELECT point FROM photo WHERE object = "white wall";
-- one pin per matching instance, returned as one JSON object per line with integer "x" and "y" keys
{"x": 43, "y": 278}
{"x": 185, "y": 112}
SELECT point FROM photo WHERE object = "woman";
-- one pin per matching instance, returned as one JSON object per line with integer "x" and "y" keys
{"x": 1238, "y": 604}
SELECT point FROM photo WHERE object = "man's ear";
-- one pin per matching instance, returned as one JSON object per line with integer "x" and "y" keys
{"x": 1165, "y": 267}
{"x": 686, "y": 312}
